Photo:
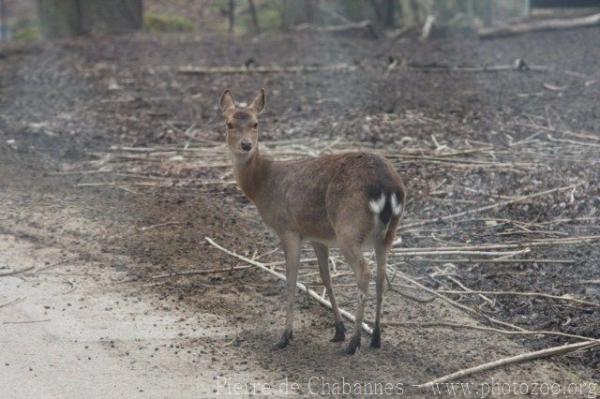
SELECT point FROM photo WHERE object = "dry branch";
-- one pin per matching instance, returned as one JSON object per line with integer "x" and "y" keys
{"x": 14, "y": 272}
{"x": 26, "y": 321}
{"x": 17, "y": 300}
{"x": 205, "y": 271}
{"x": 362, "y": 25}
{"x": 427, "y": 26}
{"x": 513, "y": 260}
{"x": 443, "y": 324}
{"x": 508, "y": 245}
{"x": 154, "y": 226}
{"x": 300, "y": 286}
{"x": 465, "y": 288}
{"x": 458, "y": 305}
{"x": 191, "y": 70}
{"x": 535, "y": 26}
{"x": 557, "y": 350}
{"x": 488, "y": 207}
{"x": 518, "y": 66}
{"x": 517, "y": 293}
{"x": 460, "y": 252}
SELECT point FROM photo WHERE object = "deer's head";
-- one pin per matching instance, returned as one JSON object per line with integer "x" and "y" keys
{"x": 242, "y": 124}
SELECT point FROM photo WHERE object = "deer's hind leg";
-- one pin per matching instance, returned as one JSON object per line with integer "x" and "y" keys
{"x": 351, "y": 249}
{"x": 382, "y": 247}
{"x": 322, "y": 252}
{"x": 381, "y": 256}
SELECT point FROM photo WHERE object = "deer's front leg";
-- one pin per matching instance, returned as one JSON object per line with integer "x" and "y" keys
{"x": 291, "y": 246}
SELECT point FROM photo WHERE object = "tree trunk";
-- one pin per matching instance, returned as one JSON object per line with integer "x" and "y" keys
{"x": 59, "y": 18}
{"x": 64, "y": 18}
{"x": 377, "y": 11}
{"x": 112, "y": 16}
{"x": 285, "y": 17}
{"x": 310, "y": 11}
{"x": 390, "y": 13}
{"x": 231, "y": 15}
{"x": 3, "y": 27}
{"x": 252, "y": 8}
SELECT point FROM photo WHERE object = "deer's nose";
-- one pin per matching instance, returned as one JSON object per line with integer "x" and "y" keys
{"x": 246, "y": 145}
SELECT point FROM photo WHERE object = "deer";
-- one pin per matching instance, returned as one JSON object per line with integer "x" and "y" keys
{"x": 352, "y": 201}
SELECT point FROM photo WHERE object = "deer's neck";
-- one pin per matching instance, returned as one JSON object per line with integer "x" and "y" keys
{"x": 251, "y": 174}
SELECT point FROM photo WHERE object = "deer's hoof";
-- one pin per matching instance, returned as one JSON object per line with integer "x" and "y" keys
{"x": 340, "y": 332}
{"x": 353, "y": 345}
{"x": 376, "y": 338}
{"x": 285, "y": 339}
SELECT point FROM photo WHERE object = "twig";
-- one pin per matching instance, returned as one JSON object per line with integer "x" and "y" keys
{"x": 508, "y": 245}
{"x": 557, "y": 350}
{"x": 16, "y": 300}
{"x": 517, "y": 67}
{"x": 427, "y": 26}
{"x": 517, "y": 293}
{"x": 513, "y": 260}
{"x": 549, "y": 24}
{"x": 366, "y": 25}
{"x": 146, "y": 228}
{"x": 12, "y": 273}
{"x": 190, "y": 70}
{"x": 193, "y": 272}
{"x": 459, "y": 252}
{"x": 407, "y": 296}
{"x": 25, "y": 321}
{"x": 443, "y": 324}
{"x": 488, "y": 207}
{"x": 457, "y": 304}
{"x": 300, "y": 286}
{"x": 467, "y": 289}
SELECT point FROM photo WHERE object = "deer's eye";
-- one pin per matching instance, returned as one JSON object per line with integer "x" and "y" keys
{"x": 229, "y": 125}
{"x": 255, "y": 125}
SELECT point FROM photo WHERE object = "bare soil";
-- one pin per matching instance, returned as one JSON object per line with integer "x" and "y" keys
{"x": 66, "y": 106}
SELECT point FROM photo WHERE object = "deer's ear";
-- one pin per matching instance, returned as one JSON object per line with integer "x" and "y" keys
{"x": 258, "y": 104}
{"x": 226, "y": 102}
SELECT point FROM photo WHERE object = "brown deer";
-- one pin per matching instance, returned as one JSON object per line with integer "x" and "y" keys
{"x": 352, "y": 201}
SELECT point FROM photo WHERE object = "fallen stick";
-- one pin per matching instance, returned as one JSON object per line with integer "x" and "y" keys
{"x": 407, "y": 296}
{"x": 427, "y": 26}
{"x": 25, "y": 321}
{"x": 508, "y": 245}
{"x": 465, "y": 288}
{"x": 517, "y": 67}
{"x": 557, "y": 350}
{"x": 457, "y": 304}
{"x": 488, "y": 207}
{"x": 12, "y": 273}
{"x": 366, "y": 25}
{"x": 442, "y": 324}
{"x": 517, "y": 293}
{"x": 153, "y": 226}
{"x": 193, "y": 272}
{"x": 458, "y": 252}
{"x": 536, "y": 26}
{"x": 282, "y": 262}
{"x": 16, "y": 300}
{"x": 498, "y": 261}
{"x": 300, "y": 286}
{"x": 190, "y": 70}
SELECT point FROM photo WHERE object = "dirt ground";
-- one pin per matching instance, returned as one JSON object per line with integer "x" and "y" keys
{"x": 112, "y": 175}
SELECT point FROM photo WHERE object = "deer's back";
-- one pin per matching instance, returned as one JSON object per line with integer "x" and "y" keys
{"x": 310, "y": 196}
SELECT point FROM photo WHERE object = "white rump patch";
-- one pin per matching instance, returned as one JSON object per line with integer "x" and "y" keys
{"x": 377, "y": 205}
{"x": 396, "y": 207}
